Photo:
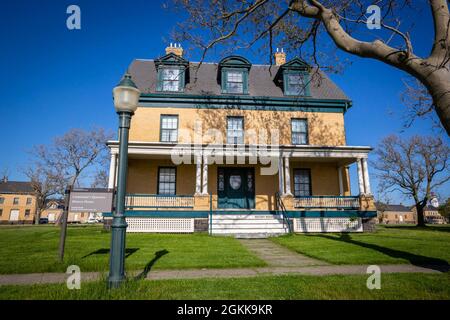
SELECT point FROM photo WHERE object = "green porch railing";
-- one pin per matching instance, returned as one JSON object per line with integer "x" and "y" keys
{"x": 332, "y": 202}
{"x": 153, "y": 201}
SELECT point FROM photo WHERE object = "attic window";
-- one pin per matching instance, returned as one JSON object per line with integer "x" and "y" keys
{"x": 234, "y": 75}
{"x": 171, "y": 79}
{"x": 296, "y": 83}
{"x": 172, "y": 71}
{"x": 295, "y": 77}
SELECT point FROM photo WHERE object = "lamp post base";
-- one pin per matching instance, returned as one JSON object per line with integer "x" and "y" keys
{"x": 117, "y": 258}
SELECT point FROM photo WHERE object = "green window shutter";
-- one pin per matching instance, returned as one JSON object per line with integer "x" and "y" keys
{"x": 245, "y": 81}
{"x": 224, "y": 81}
{"x": 285, "y": 83}
{"x": 159, "y": 84}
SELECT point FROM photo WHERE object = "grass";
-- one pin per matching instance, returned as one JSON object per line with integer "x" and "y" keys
{"x": 393, "y": 286}
{"x": 34, "y": 249}
{"x": 388, "y": 245}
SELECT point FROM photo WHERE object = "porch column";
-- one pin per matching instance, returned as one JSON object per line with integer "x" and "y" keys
{"x": 198, "y": 176}
{"x": 287, "y": 176}
{"x": 280, "y": 176}
{"x": 366, "y": 176}
{"x": 205, "y": 176}
{"x": 360, "y": 178}
{"x": 341, "y": 183}
{"x": 112, "y": 171}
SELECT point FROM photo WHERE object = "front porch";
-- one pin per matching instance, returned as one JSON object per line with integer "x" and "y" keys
{"x": 308, "y": 192}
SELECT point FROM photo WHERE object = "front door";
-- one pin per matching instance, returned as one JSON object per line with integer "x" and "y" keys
{"x": 236, "y": 188}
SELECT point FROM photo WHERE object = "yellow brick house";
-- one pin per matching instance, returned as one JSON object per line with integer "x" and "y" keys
{"x": 240, "y": 149}
{"x": 17, "y": 202}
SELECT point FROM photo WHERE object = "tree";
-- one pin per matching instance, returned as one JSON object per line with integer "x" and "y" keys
{"x": 60, "y": 164}
{"x": 45, "y": 186}
{"x": 71, "y": 154}
{"x": 298, "y": 24}
{"x": 416, "y": 167}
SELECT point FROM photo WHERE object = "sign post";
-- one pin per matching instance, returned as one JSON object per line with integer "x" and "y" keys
{"x": 92, "y": 200}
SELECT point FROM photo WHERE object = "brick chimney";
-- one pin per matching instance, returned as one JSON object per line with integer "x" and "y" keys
{"x": 280, "y": 57}
{"x": 175, "y": 48}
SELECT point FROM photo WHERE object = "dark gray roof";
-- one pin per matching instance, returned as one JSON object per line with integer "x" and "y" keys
{"x": 261, "y": 81}
{"x": 392, "y": 207}
{"x": 16, "y": 187}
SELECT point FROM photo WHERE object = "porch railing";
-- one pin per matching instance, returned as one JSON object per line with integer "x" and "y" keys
{"x": 338, "y": 202}
{"x": 140, "y": 201}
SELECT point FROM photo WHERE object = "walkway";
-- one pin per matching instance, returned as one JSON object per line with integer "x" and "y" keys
{"x": 277, "y": 256}
{"x": 41, "y": 278}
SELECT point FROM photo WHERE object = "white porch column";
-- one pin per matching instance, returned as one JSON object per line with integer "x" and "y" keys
{"x": 366, "y": 176}
{"x": 341, "y": 183}
{"x": 360, "y": 178}
{"x": 198, "y": 176}
{"x": 287, "y": 176}
{"x": 112, "y": 171}
{"x": 280, "y": 176}
{"x": 205, "y": 176}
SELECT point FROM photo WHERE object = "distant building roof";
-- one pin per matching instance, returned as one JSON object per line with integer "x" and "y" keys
{"x": 15, "y": 187}
{"x": 392, "y": 207}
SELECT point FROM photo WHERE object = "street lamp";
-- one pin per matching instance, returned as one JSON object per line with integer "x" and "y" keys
{"x": 126, "y": 98}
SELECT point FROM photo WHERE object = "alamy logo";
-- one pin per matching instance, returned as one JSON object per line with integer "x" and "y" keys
{"x": 73, "y": 21}
{"x": 74, "y": 279}
{"x": 374, "y": 20}
{"x": 374, "y": 280}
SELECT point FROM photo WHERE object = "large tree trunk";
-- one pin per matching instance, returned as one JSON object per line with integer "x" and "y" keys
{"x": 420, "y": 217}
{"x": 38, "y": 216}
{"x": 438, "y": 85}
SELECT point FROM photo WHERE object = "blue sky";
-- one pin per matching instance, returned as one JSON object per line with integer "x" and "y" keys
{"x": 54, "y": 79}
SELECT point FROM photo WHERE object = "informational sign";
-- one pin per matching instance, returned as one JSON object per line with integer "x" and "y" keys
{"x": 90, "y": 200}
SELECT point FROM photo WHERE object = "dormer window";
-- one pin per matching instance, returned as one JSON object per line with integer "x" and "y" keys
{"x": 172, "y": 70}
{"x": 235, "y": 81}
{"x": 295, "y": 84}
{"x": 233, "y": 72}
{"x": 170, "y": 78}
{"x": 295, "y": 78}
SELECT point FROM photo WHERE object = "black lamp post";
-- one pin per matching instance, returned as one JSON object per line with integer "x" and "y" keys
{"x": 126, "y": 98}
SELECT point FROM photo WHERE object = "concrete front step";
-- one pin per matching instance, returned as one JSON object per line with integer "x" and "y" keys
{"x": 250, "y": 230}
{"x": 247, "y": 226}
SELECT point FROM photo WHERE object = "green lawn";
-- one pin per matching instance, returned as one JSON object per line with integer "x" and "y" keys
{"x": 388, "y": 245}
{"x": 393, "y": 286}
{"x": 31, "y": 249}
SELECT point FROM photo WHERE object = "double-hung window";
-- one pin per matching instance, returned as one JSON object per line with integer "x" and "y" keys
{"x": 299, "y": 128}
{"x": 170, "y": 79}
{"x": 169, "y": 128}
{"x": 235, "y": 81}
{"x": 235, "y": 130}
{"x": 167, "y": 178}
{"x": 302, "y": 182}
{"x": 16, "y": 201}
{"x": 29, "y": 200}
{"x": 296, "y": 84}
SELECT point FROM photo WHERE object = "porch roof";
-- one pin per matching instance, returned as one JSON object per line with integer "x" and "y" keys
{"x": 345, "y": 155}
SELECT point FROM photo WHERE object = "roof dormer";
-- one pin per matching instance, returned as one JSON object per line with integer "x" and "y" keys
{"x": 172, "y": 70}
{"x": 295, "y": 77}
{"x": 233, "y": 74}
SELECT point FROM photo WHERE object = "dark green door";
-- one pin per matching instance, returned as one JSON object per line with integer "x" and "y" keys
{"x": 236, "y": 188}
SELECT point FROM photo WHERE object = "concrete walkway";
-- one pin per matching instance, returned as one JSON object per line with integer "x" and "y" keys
{"x": 277, "y": 256}
{"x": 41, "y": 278}
{"x": 280, "y": 261}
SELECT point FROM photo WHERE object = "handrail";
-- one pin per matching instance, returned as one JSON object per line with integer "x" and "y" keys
{"x": 281, "y": 206}
{"x": 158, "y": 201}
{"x": 340, "y": 202}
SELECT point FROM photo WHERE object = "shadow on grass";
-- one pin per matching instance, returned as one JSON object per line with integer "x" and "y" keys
{"x": 414, "y": 259}
{"x": 149, "y": 265}
{"x": 128, "y": 252}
